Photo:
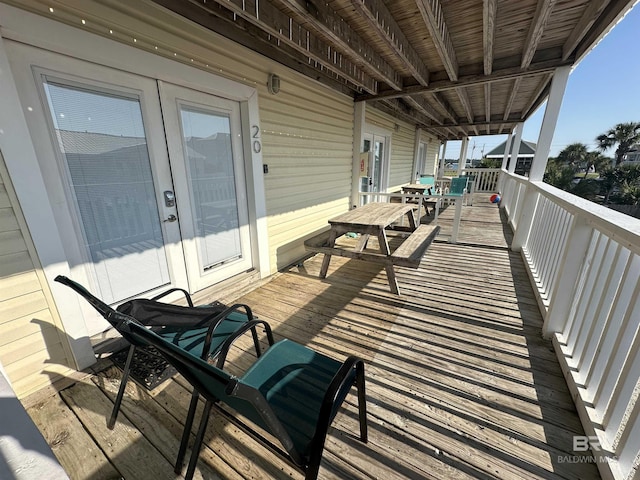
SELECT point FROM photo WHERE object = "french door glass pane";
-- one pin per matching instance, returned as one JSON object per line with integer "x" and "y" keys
{"x": 211, "y": 178}
{"x": 102, "y": 140}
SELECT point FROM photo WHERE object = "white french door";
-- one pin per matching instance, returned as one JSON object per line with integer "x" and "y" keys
{"x": 146, "y": 180}
{"x": 205, "y": 149}
{"x": 378, "y": 163}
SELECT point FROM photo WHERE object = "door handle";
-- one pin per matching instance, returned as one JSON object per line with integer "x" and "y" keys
{"x": 170, "y": 218}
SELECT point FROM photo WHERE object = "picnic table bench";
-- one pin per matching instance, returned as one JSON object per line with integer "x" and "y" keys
{"x": 375, "y": 219}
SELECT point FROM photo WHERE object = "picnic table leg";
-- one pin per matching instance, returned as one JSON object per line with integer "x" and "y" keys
{"x": 384, "y": 248}
{"x": 327, "y": 257}
{"x": 412, "y": 222}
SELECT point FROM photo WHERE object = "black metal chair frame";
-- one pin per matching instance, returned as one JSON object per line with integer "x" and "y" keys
{"x": 213, "y": 320}
{"x": 186, "y": 364}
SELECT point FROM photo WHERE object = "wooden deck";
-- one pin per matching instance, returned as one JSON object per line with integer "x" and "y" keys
{"x": 460, "y": 383}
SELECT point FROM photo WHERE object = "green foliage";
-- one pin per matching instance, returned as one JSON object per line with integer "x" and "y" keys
{"x": 490, "y": 163}
{"x": 569, "y": 172}
{"x": 624, "y": 135}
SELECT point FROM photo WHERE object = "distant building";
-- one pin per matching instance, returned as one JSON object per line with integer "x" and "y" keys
{"x": 525, "y": 156}
{"x": 632, "y": 157}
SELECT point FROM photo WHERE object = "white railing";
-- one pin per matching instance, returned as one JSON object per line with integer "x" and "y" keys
{"x": 584, "y": 263}
{"x": 485, "y": 179}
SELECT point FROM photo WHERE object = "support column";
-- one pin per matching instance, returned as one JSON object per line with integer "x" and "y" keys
{"x": 503, "y": 168}
{"x": 440, "y": 172}
{"x": 358, "y": 142}
{"x": 551, "y": 113}
{"x": 507, "y": 151}
{"x": 463, "y": 155}
{"x": 515, "y": 147}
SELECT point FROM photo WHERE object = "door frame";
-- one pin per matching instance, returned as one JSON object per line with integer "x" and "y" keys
{"x": 372, "y": 132}
{"x": 22, "y": 163}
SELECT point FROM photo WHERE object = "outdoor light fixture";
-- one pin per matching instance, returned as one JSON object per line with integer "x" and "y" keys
{"x": 273, "y": 84}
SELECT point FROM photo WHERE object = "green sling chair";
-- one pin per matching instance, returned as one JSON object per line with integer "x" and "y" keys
{"x": 291, "y": 391}
{"x": 200, "y": 330}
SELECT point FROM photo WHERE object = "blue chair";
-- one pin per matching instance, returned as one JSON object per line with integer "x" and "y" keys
{"x": 429, "y": 182}
{"x": 458, "y": 187}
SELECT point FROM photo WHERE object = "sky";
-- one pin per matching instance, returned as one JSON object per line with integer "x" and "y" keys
{"x": 602, "y": 91}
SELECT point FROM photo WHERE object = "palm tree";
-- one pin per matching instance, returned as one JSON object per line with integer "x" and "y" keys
{"x": 573, "y": 155}
{"x": 625, "y": 135}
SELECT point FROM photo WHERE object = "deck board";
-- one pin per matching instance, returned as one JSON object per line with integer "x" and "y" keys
{"x": 460, "y": 383}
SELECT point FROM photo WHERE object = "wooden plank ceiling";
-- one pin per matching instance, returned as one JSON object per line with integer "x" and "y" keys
{"x": 452, "y": 67}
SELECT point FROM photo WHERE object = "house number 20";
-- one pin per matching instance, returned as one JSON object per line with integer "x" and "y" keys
{"x": 257, "y": 146}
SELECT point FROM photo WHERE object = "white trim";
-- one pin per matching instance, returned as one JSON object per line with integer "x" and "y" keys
{"x": 359, "y": 113}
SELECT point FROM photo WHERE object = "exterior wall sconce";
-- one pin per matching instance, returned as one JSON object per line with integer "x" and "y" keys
{"x": 273, "y": 84}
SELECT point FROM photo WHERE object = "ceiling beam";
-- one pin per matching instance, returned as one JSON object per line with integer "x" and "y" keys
{"x": 512, "y": 97}
{"x": 489, "y": 12}
{"x": 445, "y": 107}
{"x": 501, "y": 75}
{"x": 279, "y": 25}
{"x": 380, "y": 20}
{"x": 466, "y": 103}
{"x": 589, "y": 17}
{"x": 431, "y": 12}
{"x": 403, "y": 112}
{"x": 539, "y": 22}
{"x": 327, "y": 24}
{"x": 612, "y": 14}
{"x": 538, "y": 96}
{"x": 421, "y": 105}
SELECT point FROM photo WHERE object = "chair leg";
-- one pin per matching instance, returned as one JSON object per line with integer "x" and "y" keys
{"x": 362, "y": 402}
{"x": 188, "y": 423}
{"x": 195, "y": 452}
{"x": 123, "y": 384}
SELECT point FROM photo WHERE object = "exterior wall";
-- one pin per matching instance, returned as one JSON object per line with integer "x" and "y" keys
{"x": 33, "y": 347}
{"x": 308, "y": 147}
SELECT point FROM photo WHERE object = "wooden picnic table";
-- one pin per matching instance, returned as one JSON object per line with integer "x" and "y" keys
{"x": 420, "y": 189}
{"x": 376, "y": 219}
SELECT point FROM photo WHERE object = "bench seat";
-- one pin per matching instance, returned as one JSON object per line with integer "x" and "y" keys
{"x": 412, "y": 249}
{"x": 408, "y": 254}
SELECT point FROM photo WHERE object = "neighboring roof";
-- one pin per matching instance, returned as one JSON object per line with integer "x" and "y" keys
{"x": 527, "y": 150}
{"x": 91, "y": 143}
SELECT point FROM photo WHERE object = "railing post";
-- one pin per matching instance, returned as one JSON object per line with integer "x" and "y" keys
{"x": 456, "y": 221}
{"x": 523, "y": 227}
{"x": 563, "y": 293}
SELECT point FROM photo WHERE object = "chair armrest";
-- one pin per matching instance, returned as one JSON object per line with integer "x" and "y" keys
{"x": 171, "y": 290}
{"x": 224, "y": 349}
{"x": 339, "y": 386}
